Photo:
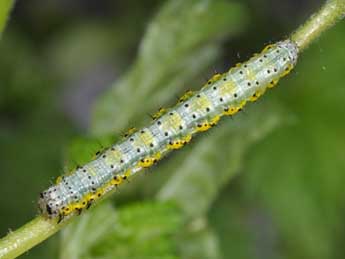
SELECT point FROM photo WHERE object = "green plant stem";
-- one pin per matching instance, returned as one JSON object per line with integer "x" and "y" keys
{"x": 39, "y": 229}
{"x": 326, "y": 17}
{"x": 29, "y": 235}
{"x": 5, "y": 7}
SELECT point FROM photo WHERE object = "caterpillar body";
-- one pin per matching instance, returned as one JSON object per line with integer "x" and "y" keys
{"x": 223, "y": 94}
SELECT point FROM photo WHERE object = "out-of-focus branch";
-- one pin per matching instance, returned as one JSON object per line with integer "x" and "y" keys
{"x": 26, "y": 237}
{"x": 326, "y": 17}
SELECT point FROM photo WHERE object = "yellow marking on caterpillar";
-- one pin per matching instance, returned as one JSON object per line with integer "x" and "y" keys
{"x": 179, "y": 143}
{"x": 251, "y": 75}
{"x": 242, "y": 104}
{"x": 287, "y": 70}
{"x": 202, "y": 102}
{"x": 58, "y": 180}
{"x": 214, "y": 78}
{"x": 67, "y": 210}
{"x": 129, "y": 132}
{"x": 227, "y": 88}
{"x": 256, "y": 95}
{"x": 146, "y": 137}
{"x": 161, "y": 111}
{"x": 173, "y": 121}
{"x": 145, "y": 162}
{"x": 273, "y": 83}
{"x": 187, "y": 139}
{"x": 149, "y": 161}
{"x": 175, "y": 144}
{"x": 185, "y": 96}
{"x": 127, "y": 174}
{"x": 214, "y": 120}
{"x": 114, "y": 156}
{"x": 267, "y": 47}
{"x": 229, "y": 111}
{"x": 203, "y": 126}
{"x": 85, "y": 201}
{"x": 116, "y": 180}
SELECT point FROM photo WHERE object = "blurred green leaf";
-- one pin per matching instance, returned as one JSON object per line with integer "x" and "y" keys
{"x": 180, "y": 42}
{"x": 298, "y": 173}
{"x": 5, "y": 8}
{"x": 145, "y": 230}
{"x": 140, "y": 230}
{"x": 25, "y": 82}
{"x": 229, "y": 216}
{"x": 95, "y": 41}
{"x": 198, "y": 240}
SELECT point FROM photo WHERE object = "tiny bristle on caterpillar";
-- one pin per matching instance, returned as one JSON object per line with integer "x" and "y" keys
{"x": 223, "y": 94}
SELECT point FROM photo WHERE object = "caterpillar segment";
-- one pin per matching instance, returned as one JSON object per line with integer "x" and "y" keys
{"x": 171, "y": 129}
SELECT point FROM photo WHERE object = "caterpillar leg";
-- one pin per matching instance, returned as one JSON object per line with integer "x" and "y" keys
{"x": 60, "y": 218}
{"x": 88, "y": 205}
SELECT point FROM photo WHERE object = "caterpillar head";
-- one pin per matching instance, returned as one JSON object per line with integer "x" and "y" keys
{"x": 291, "y": 48}
{"x": 48, "y": 204}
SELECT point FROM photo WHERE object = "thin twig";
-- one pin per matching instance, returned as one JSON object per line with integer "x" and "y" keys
{"x": 326, "y": 17}
{"x": 29, "y": 235}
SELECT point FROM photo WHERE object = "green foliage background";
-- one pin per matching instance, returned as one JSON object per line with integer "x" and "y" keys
{"x": 267, "y": 184}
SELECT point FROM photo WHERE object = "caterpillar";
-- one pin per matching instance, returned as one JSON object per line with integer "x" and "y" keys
{"x": 170, "y": 129}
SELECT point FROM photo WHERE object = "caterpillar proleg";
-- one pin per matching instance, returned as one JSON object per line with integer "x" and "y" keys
{"x": 223, "y": 94}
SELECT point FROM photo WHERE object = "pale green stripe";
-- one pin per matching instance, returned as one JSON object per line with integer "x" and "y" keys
{"x": 5, "y": 7}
